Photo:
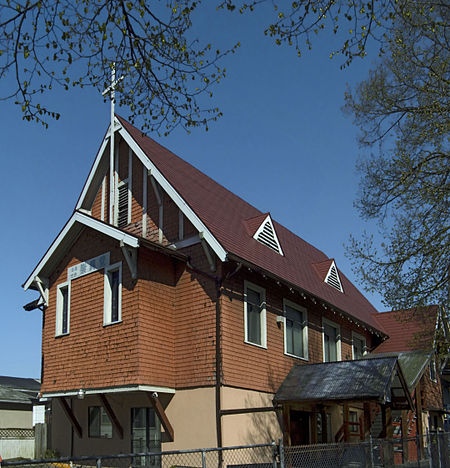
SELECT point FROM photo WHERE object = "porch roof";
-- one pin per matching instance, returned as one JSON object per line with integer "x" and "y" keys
{"x": 376, "y": 379}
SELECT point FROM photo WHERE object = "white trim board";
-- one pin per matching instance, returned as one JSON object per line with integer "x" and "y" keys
{"x": 84, "y": 220}
{"x": 163, "y": 182}
{"x": 96, "y": 391}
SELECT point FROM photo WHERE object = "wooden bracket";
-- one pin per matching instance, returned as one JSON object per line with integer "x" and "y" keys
{"x": 111, "y": 414}
{"x": 130, "y": 255}
{"x": 71, "y": 417}
{"x": 207, "y": 250}
{"x": 162, "y": 416}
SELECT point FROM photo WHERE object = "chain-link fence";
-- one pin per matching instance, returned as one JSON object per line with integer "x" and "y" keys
{"x": 431, "y": 451}
{"x": 252, "y": 456}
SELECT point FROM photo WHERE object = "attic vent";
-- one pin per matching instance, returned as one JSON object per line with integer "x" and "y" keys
{"x": 332, "y": 278}
{"x": 267, "y": 236}
{"x": 122, "y": 205}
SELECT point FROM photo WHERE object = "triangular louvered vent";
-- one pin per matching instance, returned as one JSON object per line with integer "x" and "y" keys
{"x": 122, "y": 205}
{"x": 333, "y": 279}
{"x": 266, "y": 235}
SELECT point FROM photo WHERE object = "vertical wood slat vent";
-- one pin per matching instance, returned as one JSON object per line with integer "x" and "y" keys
{"x": 122, "y": 206}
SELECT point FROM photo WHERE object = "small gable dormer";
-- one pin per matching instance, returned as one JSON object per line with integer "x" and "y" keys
{"x": 329, "y": 274}
{"x": 333, "y": 279}
{"x": 267, "y": 235}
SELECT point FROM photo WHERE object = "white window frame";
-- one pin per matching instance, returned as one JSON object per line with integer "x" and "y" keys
{"x": 107, "y": 312}
{"x": 339, "y": 341}
{"x": 361, "y": 338}
{"x": 293, "y": 305}
{"x": 262, "y": 292}
{"x": 59, "y": 311}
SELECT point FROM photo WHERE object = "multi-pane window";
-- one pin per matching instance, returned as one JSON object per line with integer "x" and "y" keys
{"x": 99, "y": 423}
{"x": 359, "y": 346}
{"x": 113, "y": 294}
{"x": 331, "y": 342}
{"x": 255, "y": 314}
{"x": 62, "y": 309}
{"x": 295, "y": 330}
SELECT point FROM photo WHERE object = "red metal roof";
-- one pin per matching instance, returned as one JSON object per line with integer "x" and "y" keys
{"x": 408, "y": 330}
{"x": 231, "y": 220}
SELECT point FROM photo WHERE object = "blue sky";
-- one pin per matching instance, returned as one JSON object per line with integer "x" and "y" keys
{"x": 283, "y": 145}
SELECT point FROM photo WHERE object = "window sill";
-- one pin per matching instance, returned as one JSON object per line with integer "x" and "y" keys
{"x": 62, "y": 335}
{"x": 255, "y": 344}
{"x": 108, "y": 324}
{"x": 296, "y": 357}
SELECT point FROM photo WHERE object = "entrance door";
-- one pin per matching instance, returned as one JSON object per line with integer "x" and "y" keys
{"x": 299, "y": 427}
{"x": 145, "y": 436}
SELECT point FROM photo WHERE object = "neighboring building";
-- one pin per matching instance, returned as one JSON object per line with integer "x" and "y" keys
{"x": 416, "y": 330}
{"x": 19, "y": 412}
{"x": 17, "y": 397}
{"x": 174, "y": 311}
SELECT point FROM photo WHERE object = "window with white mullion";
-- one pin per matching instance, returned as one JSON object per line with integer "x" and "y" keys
{"x": 255, "y": 314}
{"x": 331, "y": 341}
{"x": 295, "y": 330}
{"x": 359, "y": 346}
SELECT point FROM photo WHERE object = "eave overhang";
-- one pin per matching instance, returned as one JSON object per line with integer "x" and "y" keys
{"x": 305, "y": 292}
{"x": 67, "y": 236}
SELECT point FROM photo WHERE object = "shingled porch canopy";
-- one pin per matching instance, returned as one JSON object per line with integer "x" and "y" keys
{"x": 310, "y": 394}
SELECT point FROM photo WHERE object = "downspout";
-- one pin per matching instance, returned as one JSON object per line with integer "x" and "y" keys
{"x": 219, "y": 285}
{"x": 218, "y": 282}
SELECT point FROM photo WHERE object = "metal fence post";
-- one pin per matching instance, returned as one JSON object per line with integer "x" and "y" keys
{"x": 99, "y": 462}
{"x": 371, "y": 451}
{"x": 203, "y": 459}
{"x": 281, "y": 448}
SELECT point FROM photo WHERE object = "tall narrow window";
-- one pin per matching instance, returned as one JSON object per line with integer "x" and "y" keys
{"x": 359, "y": 346}
{"x": 295, "y": 330}
{"x": 331, "y": 342}
{"x": 113, "y": 294}
{"x": 62, "y": 309}
{"x": 255, "y": 314}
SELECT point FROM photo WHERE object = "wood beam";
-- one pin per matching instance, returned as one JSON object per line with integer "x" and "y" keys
{"x": 111, "y": 414}
{"x": 71, "y": 416}
{"x": 263, "y": 409}
{"x": 323, "y": 414}
{"x": 162, "y": 416}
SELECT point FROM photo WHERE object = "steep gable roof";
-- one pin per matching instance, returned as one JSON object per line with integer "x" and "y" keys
{"x": 227, "y": 216}
{"x": 408, "y": 330}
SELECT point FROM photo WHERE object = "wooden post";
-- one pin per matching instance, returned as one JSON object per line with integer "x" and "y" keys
{"x": 286, "y": 424}
{"x": 323, "y": 414}
{"x": 405, "y": 447}
{"x": 346, "y": 416}
{"x": 419, "y": 418}
{"x": 388, "y": 432}
{"x": 314, "y": 426}
{"x": 367, "y": 421}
